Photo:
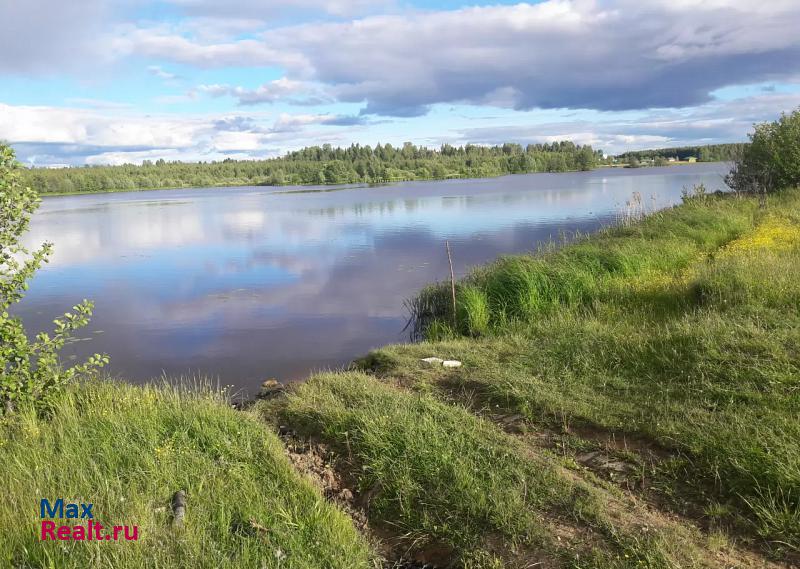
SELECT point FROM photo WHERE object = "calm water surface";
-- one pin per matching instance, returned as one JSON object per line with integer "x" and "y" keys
{"x": 244, "y": 284}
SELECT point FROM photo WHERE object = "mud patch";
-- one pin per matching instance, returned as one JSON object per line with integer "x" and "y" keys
{"x": 324, "y": 468}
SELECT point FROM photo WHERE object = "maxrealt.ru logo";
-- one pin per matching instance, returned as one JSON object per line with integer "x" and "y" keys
{"x": 88, "y": 531}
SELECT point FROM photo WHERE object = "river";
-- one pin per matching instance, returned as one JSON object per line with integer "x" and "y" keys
{"x": 244, "y": 284}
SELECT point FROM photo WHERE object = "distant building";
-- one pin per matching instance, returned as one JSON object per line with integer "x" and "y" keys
{"x": 692, "y": 159}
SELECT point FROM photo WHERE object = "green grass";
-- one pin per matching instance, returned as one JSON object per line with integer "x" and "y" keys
{"x": 440, "y": 476}
{"x": 128, "y": 449}
{"x": 683, "y": 330}
{"x": 442, "y": 473}
{"x": 603, "y": 267}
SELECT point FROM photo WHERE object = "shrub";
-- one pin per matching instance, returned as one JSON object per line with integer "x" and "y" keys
{"x": 29, "y": 370}
{"x": 772, "y": 161}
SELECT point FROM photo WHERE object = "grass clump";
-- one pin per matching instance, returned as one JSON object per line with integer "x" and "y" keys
{"x": 127, "y": 449}
{"x": 473, "y": 310}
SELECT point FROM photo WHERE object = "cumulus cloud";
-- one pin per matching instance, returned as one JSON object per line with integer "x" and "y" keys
{"x": 53, "y": 135}
{"x": 664, "y": 58}
{"x": 612, "y": 55}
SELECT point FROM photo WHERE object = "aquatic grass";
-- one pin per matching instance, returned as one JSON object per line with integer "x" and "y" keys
{"x": 127, "y": 449}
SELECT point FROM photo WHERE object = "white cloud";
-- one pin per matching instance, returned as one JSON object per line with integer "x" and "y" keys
{"x": 53, "y": 135}
{"x": 159, "y": 72}
{"x": 652, "y": 55}
{"x": 89, "y": 127}
{"x": 163, "y": 42}
{"x": 612, "y": 55}
{"x": 266, "y": 93}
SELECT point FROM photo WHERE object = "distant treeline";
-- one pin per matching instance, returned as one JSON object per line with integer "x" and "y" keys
{"x": 325, "y": 165}
{"x": 710, "y": 153}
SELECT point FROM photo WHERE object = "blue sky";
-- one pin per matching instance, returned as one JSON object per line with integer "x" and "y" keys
{"x": 114, "y": 81}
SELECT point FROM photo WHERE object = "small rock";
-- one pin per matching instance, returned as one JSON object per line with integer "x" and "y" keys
{"x": 587, "y": 457}
{"x": 271, "y": 388}
{"x": 328, "y": 479}
{"x": 617, "y": 466}
{"x": 433, "y": 361}
{"x": 451, "y": 363}
{"x": 178, "y": 508}
{"x": 346, "y": 496}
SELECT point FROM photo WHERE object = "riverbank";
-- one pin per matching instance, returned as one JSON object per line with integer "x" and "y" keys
{"x": 286, "y": 187}
{"x": 628, "y": 400}
{"x": 278, "y": 187}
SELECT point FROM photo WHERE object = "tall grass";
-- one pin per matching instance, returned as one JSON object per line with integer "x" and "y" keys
{"x": 523, "y": 288}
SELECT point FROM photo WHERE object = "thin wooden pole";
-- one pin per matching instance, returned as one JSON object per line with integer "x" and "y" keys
{"x": 452, "y": 283}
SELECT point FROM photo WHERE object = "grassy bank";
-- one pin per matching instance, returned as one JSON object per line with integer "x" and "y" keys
{"x": 450, "y": 488}
{"x": 128, "y": 449}
{"x": 678, "y": 336}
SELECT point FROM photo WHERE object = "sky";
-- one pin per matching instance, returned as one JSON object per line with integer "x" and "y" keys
{"x": 121, "y": 81}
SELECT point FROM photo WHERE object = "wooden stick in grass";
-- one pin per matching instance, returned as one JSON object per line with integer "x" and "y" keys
{"x": 452, "y": 284}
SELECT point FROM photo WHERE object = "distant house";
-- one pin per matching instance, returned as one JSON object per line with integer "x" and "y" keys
{"x": 672, "y": 159}
{"x": 692, "y": 159}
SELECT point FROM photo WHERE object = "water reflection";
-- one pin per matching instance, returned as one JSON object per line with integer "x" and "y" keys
{"x": 249, "y": 283}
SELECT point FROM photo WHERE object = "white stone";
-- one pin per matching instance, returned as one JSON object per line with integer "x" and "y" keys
{"x": 433, "y": 361}
{"x": 451, "y": 363}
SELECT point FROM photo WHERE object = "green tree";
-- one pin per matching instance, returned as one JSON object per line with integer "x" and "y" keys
{"x": 585, "y": 158}
{"x": 772, "y": 160}
{"x": 277, "y": 177}
{"x": 29, "y": 370}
